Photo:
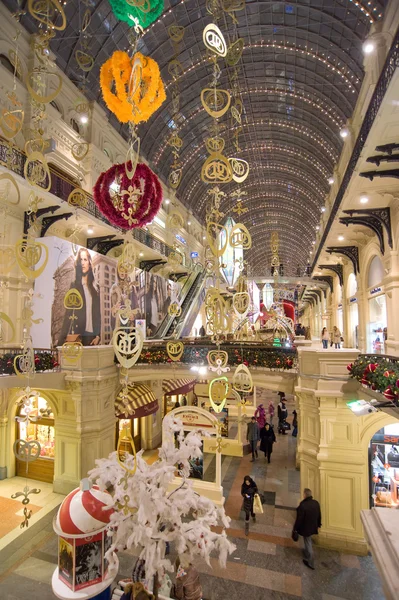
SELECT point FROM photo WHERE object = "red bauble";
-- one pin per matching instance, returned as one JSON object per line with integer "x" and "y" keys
{"x": 364, "y": 381}
{"x": 127, "y": 209}
{"x": 386, "y": 373}
{"x": 388, "y": 394}
{"x": 371, "y": 367}
{"x": 349, "y": 367}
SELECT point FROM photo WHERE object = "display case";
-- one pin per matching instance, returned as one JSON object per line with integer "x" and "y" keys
{"x": 42, "y": 430}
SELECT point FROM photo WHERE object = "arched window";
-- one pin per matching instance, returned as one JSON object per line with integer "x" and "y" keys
{"x": 376, "y": 272}
{"x": 75, "y": 126}
{"x": 351, "y": 286}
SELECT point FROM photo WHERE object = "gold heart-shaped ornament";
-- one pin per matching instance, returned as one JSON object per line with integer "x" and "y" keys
{"x": 242, "y": 379}
{"x": 29, "y": 254}
{"x": 218, "y": 392}
{"x": 217, "y": 358}
{"x": 34, "y": 81}
{"x": 128, "y": 344}
{"x": 215, "y": 102}
{"x": 176, "y": 33}
{"x": 71, "y": 352}
{"x": 241, "y": 302}
{"x": 240, "y": 237}
{"x": 175, "y": 350}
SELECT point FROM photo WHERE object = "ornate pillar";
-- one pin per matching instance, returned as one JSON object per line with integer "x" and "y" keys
{"x": 3, "y": 433}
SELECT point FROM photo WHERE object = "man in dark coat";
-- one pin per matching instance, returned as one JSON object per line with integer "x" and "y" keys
{"x": 267, "y": 439}
{"x": 253, "y": 437}
{"x": 308, "y": 522}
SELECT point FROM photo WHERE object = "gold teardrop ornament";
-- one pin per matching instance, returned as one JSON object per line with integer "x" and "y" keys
{"x": 234, "y": 52}
{"x": 240, "y": 169}
{"x": 216, "y": 102}
{"x": 71, "y": 352}
{"x": 217, "y": 238}
{"x": 218, "y": 392}
{"x": 29, "y": 254}
{"x": 242, "y": 379}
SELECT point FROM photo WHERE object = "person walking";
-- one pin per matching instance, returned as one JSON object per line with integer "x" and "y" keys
{"x": 253, "y": 437}
{"x": 308, "y": 523}
{"x": 187, "y": 586}
{"x": 270, "y": 410}
{"x": 248, "y": 491}
{"x": 282, "y": 415}
{"x": 336, "y": 337}
{"x": 267, "y": 439}
{"x": 260, "y": 416}
{"x": 295, "y": 424}
{"x": 325, "y": 337}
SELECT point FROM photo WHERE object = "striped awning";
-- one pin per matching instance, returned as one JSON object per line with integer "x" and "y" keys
{"x": 174, "y": 387}
{"x": 138, "y": 402}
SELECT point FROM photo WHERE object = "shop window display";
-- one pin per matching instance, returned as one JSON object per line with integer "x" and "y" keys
{"x": 377, "y": 326}
{"x": 384, "y": 467}
{"x": 43, "y": 431}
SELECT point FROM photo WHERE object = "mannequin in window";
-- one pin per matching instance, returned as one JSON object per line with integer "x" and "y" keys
{"x": 88, "y": 323}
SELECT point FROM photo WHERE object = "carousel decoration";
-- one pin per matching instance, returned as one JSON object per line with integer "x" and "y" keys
{"x": 128, "y": 202}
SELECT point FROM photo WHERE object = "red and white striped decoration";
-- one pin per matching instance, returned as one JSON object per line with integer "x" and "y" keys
{"x": 84, "y": 511}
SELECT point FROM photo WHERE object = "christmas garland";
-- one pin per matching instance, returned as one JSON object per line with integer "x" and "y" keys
{"x": 377, "y": 373}
{"x": 124, "y": 11}
{"x": 44, "y": 361}
{"x": 120, "y": 209}
{"x": 148, "y": 96}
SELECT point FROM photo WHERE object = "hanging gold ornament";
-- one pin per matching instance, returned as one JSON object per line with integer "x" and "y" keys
{"x": 127, "y": 260}
{"x": 7, "y": 259}
{"x": 71, "y": 352}
{"x": 214, "y": 233}
{"x": 5, "y": 191}
{"x": 128, "y": 344}
{"x": 217, "y": 361}
{"x": 240, "y": 169}
{"x": 39, "y": 79}
{"x": 216, "y": 102}
{"x": 216, "y": 169}
{"x": 176, "y": 33}
{"x": 73, "y": 300}
{"x": 175, "y": 350}
{"x": 24, "y": 364}
{"x": 79, "y": 150}
{"x": 240, "y": 237}
{"x": 48, "y": 13}
{"x": 241, "y": 302}
{"x": 125, "y": 438}
{"x": 234, "y": 52}
{"x": 214, "y": 40}
{"x": 37, "y": 171}
{"x": 242, "y": 379}
{"x": 174, "y": 309}
{"x": 84, "y": 60}
{"x": 11, "y": 122}
{"x": 29, "y": 254}
{"x": 218, "y": 392}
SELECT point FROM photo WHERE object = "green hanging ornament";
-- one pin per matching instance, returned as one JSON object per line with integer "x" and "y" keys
{"x": 142, "y": 12}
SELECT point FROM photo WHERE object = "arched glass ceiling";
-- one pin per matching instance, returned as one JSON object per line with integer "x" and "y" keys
{"x": 299, "y": 78}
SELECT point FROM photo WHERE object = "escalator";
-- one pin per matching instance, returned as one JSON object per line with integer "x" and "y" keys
{"x": 188, "y": 293}
{"x": 188, "y": 306}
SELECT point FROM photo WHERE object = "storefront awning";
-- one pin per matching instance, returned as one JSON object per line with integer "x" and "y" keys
{"x": 139, "y": 402}
{"x": 174, "y": 387}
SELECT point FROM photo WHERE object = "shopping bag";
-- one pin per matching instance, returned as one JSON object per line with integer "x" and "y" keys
{"x": 294, "y": 535}
{"x": 258, "y": 508}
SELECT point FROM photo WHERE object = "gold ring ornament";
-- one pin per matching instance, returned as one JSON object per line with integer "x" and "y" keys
{"x": 84, "y": 60}
{"x": 73, "y": 300}
{"x": 175, "y": 350}
{"x": 5, "y": 193}
{"x": 26, "y": 451}
{"x": 242, "y": 379}
{"x": 41, "y": 79}
{"x": 48, "y": 13}
{"x": 240, "y": 237}
{"x": 234, "y": 52}
{"x": 240, "y": 169}
{"x": 71, "y": 352}
{"x": 29, "y": 254}
{"x": 37, "y": 171}
{"x": 214, "y": 40}
{"x": 217, "y": 238}
{"x": 218, "y": 392}
{"x": 174, "y": 178}
{"x": 78, "y": 198}
{"x": 176, "y": 33}
{"x": 128, "y": 344}
{"x": 241, "y": 302}
{"x": 216, "y": 102}
{"x": 11, "y": 122}
{"x": 213, "y": 145}
{"x": 216, "y": 169}
{"x": 217, "y": 361}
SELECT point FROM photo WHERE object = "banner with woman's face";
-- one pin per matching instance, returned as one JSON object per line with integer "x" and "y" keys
{"x": 82, "y": 292}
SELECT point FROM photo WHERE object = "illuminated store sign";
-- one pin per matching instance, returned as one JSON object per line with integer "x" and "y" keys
{"x": 194, "y": 254}
{"x": 180, "y": 238}
{"x": 375, "y": 290}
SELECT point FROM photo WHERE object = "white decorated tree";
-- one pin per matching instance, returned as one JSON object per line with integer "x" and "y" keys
{"x": 148, "y": 516}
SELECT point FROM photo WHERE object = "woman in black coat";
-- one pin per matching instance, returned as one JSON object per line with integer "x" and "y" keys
{"x": 267, "y": 439}
{"x": 248, "y": 491}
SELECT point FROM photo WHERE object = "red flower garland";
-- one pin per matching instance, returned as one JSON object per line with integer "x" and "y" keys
{"x": 123, "y": 213}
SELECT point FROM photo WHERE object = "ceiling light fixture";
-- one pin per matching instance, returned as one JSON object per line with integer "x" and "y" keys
{"x": 363, "y": 200}
{"x": 323, "y": 209}
{"x": 368, "y": 47}
{"x": 341, "y": 238}
{"x": 188, "y": 222}
{"x": 331, "y": 180}
{"x": 344, "y": 132}
{"x": 90, "y": 229}
{"x": 167, "y": 201}
{"x": 317, "y": 227}
{"x": 84, "y": 119}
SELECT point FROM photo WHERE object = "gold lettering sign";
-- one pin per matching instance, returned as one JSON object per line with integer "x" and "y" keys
{"x": 214, "y": 40}
{"x": 240, "y": 237}
{"x": 175, "y": 350}
{"x": 29, "y": 254}
{"x": 37, "y": 171}
{"x": 216, "y": 102}
{"x": 242, "y": 379}
{"x": 240, "y": 169}
{"x": 174, "y": 309}
{"x": 218, "y": 391}
{"x": 128, "y": 344}
{"x": 216, "y": 169}
{"x": 214, "y": 235}
{"x": 73, "y": 299}
{"x": 38, "y": 80}
{"x": 48, "y": 12}
{"x": 71, "y": 352}
{"x": 234, "y": 52}
{"x": 5, "y": 190}
{"x": 11, "y": 122}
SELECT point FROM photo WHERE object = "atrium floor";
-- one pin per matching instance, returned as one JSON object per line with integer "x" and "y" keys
{"x": 267, "y": 564}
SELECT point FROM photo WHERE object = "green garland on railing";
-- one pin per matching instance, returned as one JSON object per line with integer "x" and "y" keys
{"x": 44, "y": 361}
{"x": 377, "y": 373}
{"x": 270, "y": 358}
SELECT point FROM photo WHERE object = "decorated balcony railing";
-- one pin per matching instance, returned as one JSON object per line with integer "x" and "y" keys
{"x": 62, "y": 187}
{"x": 379, "y": 372}
{"x": 45, "y": 360}
{"x": 251, "y": 354}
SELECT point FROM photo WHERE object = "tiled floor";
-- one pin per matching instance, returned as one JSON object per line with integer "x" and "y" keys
{"x": 267, "y": 564}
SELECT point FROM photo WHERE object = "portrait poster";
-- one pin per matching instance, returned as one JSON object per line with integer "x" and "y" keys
{"x": 65, "y": 561}
{"x": 88, "y": 568}
{"x": 223, "y": 418}
{"x": 96, "y": 280}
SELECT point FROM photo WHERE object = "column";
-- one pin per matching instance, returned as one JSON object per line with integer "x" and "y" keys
{"x": 3, "y": 433}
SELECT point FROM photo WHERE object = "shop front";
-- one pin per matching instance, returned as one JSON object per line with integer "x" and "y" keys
{"x": 131, "y": 406}
{"x": 37, "y": 425}
{"x": 377, "y": 324}
{"x": 384, "y": 467}
{"x": 176, "y": 393}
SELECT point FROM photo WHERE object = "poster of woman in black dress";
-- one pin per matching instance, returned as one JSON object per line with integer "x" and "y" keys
{"x": 87, "y": 325}
{"x": 88, "y": 564}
